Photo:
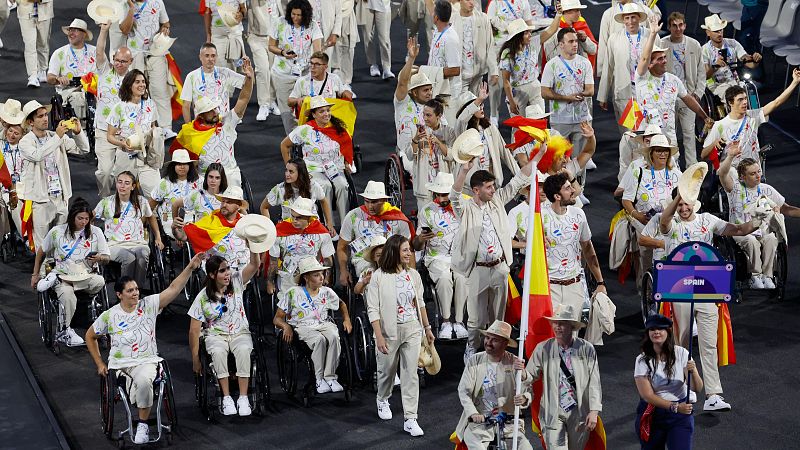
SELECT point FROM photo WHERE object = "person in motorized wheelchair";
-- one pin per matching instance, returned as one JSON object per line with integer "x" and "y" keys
{"x": 76, "y": 247}
{"x": 131, "y": 326}
{"x": 69, "y": 63}
{"x": 304, "y": 310}
{"x": 719, "y": 53}
{"x": 218, "y": 313}
{"x": 744, "y": 192}
{"x": 202, "y": 201}
{"x": 181, "y": 179}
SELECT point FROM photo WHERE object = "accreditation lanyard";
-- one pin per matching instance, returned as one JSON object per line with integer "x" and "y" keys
{"x": 311, "y": 91}
{"x": 293, "y": 39}
{"x": 666, "y": 179}
{"x": 203, "y": 88}
{"x": 140, "y": 114}
{"x": 138, "y": 13}
{"x": 312, "y": 305}
{"x": 634, "y": 49}
{"x": 571, "y": 72}
{"x": 511, "y": 9}
{"x": 438, "y": 38}
{"x": 735, "y": 137}
{"x": 205, "y": 199}
{"x": 7, "y": 150}
{"x": 74, "y": 246}
{"x": 745, "y": 198}
{"x": 681, "y": 61}
{"x": 121, "y": 217}
{"x": 79, "y": 64}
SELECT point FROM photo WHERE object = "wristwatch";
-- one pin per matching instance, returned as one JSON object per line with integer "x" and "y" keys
{"x": 601, "y": 283}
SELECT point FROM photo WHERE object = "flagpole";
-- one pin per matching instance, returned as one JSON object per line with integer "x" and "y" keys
{"x": 533, "y": 197}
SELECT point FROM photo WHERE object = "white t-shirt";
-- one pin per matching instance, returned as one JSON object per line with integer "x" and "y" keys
{"x": 744, "y": 130}
{"x": 306, "y": 86}
{"x": 147, "y": 19}
{"x": 69, "y": 62}
{"x": 444, "y": 224}
{"x": 741, "y": 196}
{"x": 358, "y": 229}
{"x": 406, "y": 297}
{"x": 126, "y": 116}
{"x": 710, "y": 55}
{"x": 657, "y": 98}
{"x": 524, "y": 68}
{"x": 200, "y": 203}
{"x": 672, "y": 388}
{"x": 133, "y": 335}
{"x": 654, "y": 189}
{"x": 518, "y": 221}
{"x": 407, "y": 115}
{"x": 563, "y": 234}
{"x": 276, "y": 195}
{"x": 489, "y": 246}
{"x": 108, "y": 83}
{"x": 489, "y": 401}
{"x": 65, "y": 248}
{"x": 652, "y": 230}
{"x": 128, "y": 226}
{"x": 568, "y": 77}
{"x": 467, "y": 47}
{"x": 502, "y": 13}
{"x": 219, "y": 147}
{"x": 299, "y": 39}
{"x": 217, "y": 84}
{"x": 318, "y": 149}
{"x": 222, "y": 319}
{"x": 702, "y": 228}
{"x": 446, "y": 52}
{"x": 292, "y": 249}
{"x": 303, "y": 309}
{"x": 166, "y": 191}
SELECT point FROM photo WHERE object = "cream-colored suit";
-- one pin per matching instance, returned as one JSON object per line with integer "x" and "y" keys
{"x": 609, "y": 26}
{"x": 34, "y": 24}
{"x": 615, "y": 79}
{"x": 695, "y": 81}
{"x": 259, "y": 26}
{"x": 344, "y": 50}
{"x": 485, "y": 58}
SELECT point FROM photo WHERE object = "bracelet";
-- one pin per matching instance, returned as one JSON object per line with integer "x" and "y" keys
{"x": 673, "y": 407}
{"x": 601, "y": 283}
{"x": 427, "y": 327}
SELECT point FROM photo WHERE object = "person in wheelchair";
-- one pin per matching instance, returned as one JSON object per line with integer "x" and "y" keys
{"x": 744, "y": 192}
{"x": 328, "y": 85}
{"x": 12, "y": 131}
{"x": 429, "y": 149}
{"x": 181, "y": 179}
{"x": 76, "y": 247}
{"x": 218, "y": 314}
{"x": 131, "y": 325}
{"x": 69, "y": 63}
{"x": 742, "y": 124}
{"x": 719, "y": 53}
{"x": 203, "y": 201}
{"x": 325, "y": 141}
{"x": 299, "y": 237}
{"x": 297, "y": 182}
{"x": 124, "y": 215}
{"x": 437, "y": 226}
{"x": 304, "y": 309}
{"x": 372, "y": 255}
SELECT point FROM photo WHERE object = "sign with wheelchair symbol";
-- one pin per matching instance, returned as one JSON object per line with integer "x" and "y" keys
{"x": 694, "y": 272}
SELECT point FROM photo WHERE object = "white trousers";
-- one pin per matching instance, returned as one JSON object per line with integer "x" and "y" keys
{"x": 36, "y": 37}
{"x": 65, "y": 290}
{"x": 479, "y": 436}
{"x": 323, "y": 340}
{"x": 760, "y": 252}
{"x": 685, "y": 118}
{"x": 140, "y": 383}
{"x": 487, "y": 288}
{"x": 46, "y": 215}
{"x": 449, "y": 286}
{"x": 219, "y": 346}
{"x": 569, "y": 434}
{"x": 377, "y": 26}
{"x": 283, "y": 87}
{"x": 707, "y": 318}
{"x": 338, "y": 188}
{"x": 403, "y": 352}
{"x": 262, "y": 60}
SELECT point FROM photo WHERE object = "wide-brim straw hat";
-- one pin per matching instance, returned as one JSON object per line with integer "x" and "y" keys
{"x": 500, "y": 329}
{"x": 630, "y": 8}
{"x": 234, "y": 193}
{"x": 258, "y": 231}
{"x": 419, "y": 79}
{"x": 661, "y": 141}
{"x": 11, "y": 112}
{"x": 307, "y": 264}
{"x": 303, "y": 206}
{"x": 714, "y": 23}
{"x": 650, "y": 130}
{"x": 535, "y": 111}
{"x": 517, "y": 26}
{"x": 228, "y": 15}
{"x": 691, "y": 181}
{"x": 567, "y": 5}
{"x": 376, "y": 241}
{"x": 161, "y": 44}
{"x": 375, "y": 190}
{"x": 32, "y": 106}
{"x": 105, "y": 11}
{"x": 567, "y": 313}
{"x": 81, "y": 25}
{"x": 318, "y": 101}
{"x": 181, "y": 156}
{"x": 429, "y": 357}
{"x": 206, "y": 104}
{"x": 467, "y": 146}
{"x": 464, "y": 99}
{"x": 442, "y": 184}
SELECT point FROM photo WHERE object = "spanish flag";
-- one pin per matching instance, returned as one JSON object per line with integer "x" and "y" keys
{"x": 193, "y": 137}
{"x": 175, "y": 73}
{"x": 5, "y": 174}
{"x": 597, "y": 438}
{"x": 208, "y": 231}
{"x": 632, "y": 116}
{"x": 343, "y": 110}
{"x": 389, "y": 212}
{"x": 528, "y": 130}
{"x": 579, "y": 25}
{"x": 514, "y": 303}
{"x": 89, "y": 83}
{"x": 26, "y": 221}
{"x": 726, "y": 353}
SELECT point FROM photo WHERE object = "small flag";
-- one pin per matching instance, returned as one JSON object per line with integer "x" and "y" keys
{"x": 597, "y": 438}
{"x": 26, "y": 222}
{"x": 89, "y": 83}
{"x": 175, "y": 73}
{"x": 632, "y": 116}
{"x": 514, "y": 303}
{"x": 726, "y": 354}
{"x": 5, "y": 174}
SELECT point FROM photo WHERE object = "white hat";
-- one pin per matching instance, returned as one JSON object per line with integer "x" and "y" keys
{"x": 419, "y": 79}
{"x": 307, "y": 264}
{"x": 257, "y": 230}
{"x": 467, "y": 146}
{"x": 11, "y": 112}
{"x": 535, "y": 111}
{"x": 81, "y": 25}
{"x": 540, "y": 177}
{"x": 442, "y": 184}
{"x": 630, "y": 8}
{"x": 656, "y": 48}
{"x": 303, "y": 206}
{"x": 136, "y": 141}
{"x": 714, "y": 23}
{"x": 206, "y": 104}
{"x": 318, "y": 101}
{"x": 377, "y": 240}
{"x": 375, "y": 190}
{"x": 429, "y": 358}
{"x": 73, "y": 271}
{"x": 567, "y": 313}
{"x": 516, "y": 27}
{"x": 691, "y": 181}
{"x": 650, "y": 130}
{"x": 161, "y": 44}
{"x": 465, "y": 98}
{"x": 181, "y": 156}
{"x": 32, "y": 106}
{"x": 105, "y": 11}
{"x": 228, "y": 15}
{"x": 567, "y": 5}
{"x": 232, "y": 193}
{"x": 501, "y": 329}
{"x": 658, "y": 140}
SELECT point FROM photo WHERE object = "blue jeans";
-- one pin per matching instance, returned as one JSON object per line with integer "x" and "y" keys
{"x": 668, "y": 430}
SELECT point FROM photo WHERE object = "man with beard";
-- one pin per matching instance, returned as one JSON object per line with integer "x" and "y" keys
{"x": 410, "y": 96}
{"x": 72, "y": 61}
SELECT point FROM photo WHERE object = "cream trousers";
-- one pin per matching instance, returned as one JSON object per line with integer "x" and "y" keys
{"x": 220, "y": 345}
{"x": 403, "y": 352}
{"x": 323, "y": 340}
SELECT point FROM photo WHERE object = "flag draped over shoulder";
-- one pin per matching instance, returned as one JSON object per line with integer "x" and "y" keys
{"x": 631, "y": 116}
{"x": 343, "y": 110}
{"x": 5, "y": 174}
{"x": 193, "y": 137}
{"x": 389, "y": 212}
{"x": 176, "y": 104}
{"x": 89, "y": 83}
{"x": 26, "y": 222}
{"x": 208, "y": 231}
{"x": 286, "y": 228}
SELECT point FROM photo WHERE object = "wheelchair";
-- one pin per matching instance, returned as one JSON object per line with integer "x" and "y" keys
{"x": 398, "y": 181}
{"x": 352, "y": 194}
{"x": 364, "y": 361}
{"x": 248, "y": 194}
{"x": 208, "y": 393}
{"x": 59, "y": 112}
{"x": 731, "y": 251}
{"x": 718, "y": 109}
{"x": 113, "y": 391}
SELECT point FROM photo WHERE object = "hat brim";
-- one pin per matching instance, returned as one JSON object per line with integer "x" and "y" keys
{"x": 92, "y": 9}
{"x": 716, "y": 27}
{"x": 89, "y": 35}
{"x": 374, "y": 196}
{"x": 439, "y": 189}
{"x": 511, "y": 342}
{"x": 256, "y": 246}
{"x": 161, "y": 50}
{"x": 303, "y": 212}
{"x": 459, "y": 156}
{"x": 414, "y": 86}
{"x": 618, "y": 17}
{"x": 575, "y": 323}
{"x": 210, "y": 107}
{"x": 12, "y": 119}
{"x": 299, "y": 275}
{"x": 245, "y": 204}
{"x": 74, "y": 278}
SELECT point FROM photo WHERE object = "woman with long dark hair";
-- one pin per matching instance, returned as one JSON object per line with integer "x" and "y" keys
{"x": 181, "y": 179}
{"x": 664, "y": 416}
{"x": 399, "y": 320}
{"x": 76, "y": 247}
{"x": 296, "y": 183}
{"x": 203, "y": 201}
{"x": 429, "y": 149}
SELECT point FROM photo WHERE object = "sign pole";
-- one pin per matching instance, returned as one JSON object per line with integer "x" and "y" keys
{"x": 691, "y": 341}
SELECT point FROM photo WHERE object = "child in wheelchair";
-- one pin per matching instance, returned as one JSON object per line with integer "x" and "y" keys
{"x": 304, "y": 309}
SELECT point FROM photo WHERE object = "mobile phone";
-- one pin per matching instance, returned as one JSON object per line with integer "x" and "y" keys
{"x": 426, "y": 229}
{"x": 181, "y": 212}
{"x": 420, "y": 128}
{"x": 291, "y": 52}
{"x": 91, "y": 255}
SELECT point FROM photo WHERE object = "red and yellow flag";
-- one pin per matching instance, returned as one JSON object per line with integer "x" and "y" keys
{"x": 632, "y": 116}
{"x": 597, "y": 438}
{"x": 5, "y": 174}
{"x": 726, "y": 353}
{"x": 193, "y": 137}
{"x": 26, "y": 222}
{"x": 514, "y": 303}
{"x": 208, "y": 231}
{"x": 89, "y": 83}
{"x": 175, "y": 73}
{"x": 343, "y": 110}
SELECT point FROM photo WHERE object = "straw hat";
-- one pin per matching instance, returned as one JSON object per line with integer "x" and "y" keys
{"x": 442, "y": 184}
{"x": 81, "y": 25}
{"x": 73, "y": 271}
{"x": 307, "y": 264}
{"x": 11, "y": 112}
{"x": 630, "y": 8}
{"x": 257, "y": 230}
{"x": 375, "y": 190}
{"x": 567, "y": 313}
{"x": 658, "y": 140}
{"x": 567, "y": 5}
{"x": 650, "y": 130}
{"x": 104, "y": 11}
{"x": 228, "y": 15}
{"x": 303, "y": 206}
{"x": 417, "y": 80}
{"x": 181, "y": 156}
{"x": 500, "y": 329}
{"x": 161, "y": 44}
{"x": 714, "y": 23}
{"x": 429, "y": 357}
{"x": 376, "y": 241}
{"x": 136, "y": 141}
{"x": 516, "y": 27}
{"x": 656, "y": 48}
{"x": 535, "y": 111}
{"x": 691, "y": 180}
{"x": 231, "y": 193}
{"x": 206, "y": 104}
{"x": 467, "y": 146}
{"x": 464, "y": 98}
{"x": 32, "y": 106}
{"x": 318, "y": 101}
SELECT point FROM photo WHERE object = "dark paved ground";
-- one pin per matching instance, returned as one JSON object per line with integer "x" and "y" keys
{"x": 762, "y": 387}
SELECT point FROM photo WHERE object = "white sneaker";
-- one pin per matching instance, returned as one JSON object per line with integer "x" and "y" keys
{"x": 461, "y": 331}
{"x": 374, "y": 70}
{"x": 1, "y": 44}
{"x": 47, "y": 282}
{"x": 494, "y": 121}
{"x": 243, "y": 405}
{"x": 263, "y": 112}
{"x": 446, "y": 332}
{"x": 468, "y": 352}
{"x": 142, "y": 434}
{"x": 384, "y": 411}
{"x": 412, "y": 427}
{"x": 591, "y": 165}
{"x": 335, "y": 386}
{"x": 692, "y": 397}
{"x": 274, "y": 110}
{"x": 228, "y": 407}
{"x": 396, "y": 380}
{"x": 387, "y": 73}
{"x": 71, "y": 338}
{"x": 33, "y": 81}
{"x": 716, "y": 403}
{"x": 756, "y": 282}
{"x": 43, "y": 76}
{"x": 768, "y": 283}
{"x": 169, "y": 134}
{"x": 323, "y": 387}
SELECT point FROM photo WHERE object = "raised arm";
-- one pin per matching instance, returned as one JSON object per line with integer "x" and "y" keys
{"x": 251, "y": 269}
{"x": 665, "y": 223}
{"x": 781, "y": 99}
{"x": 725, "y": 166}
{"x": 654, "y": 26}
{"x": 176, "y": 287}
{"x": 551, "y": 29}
{"x": 127, "y": 23}
{"x": 102, "y": 38}
{"x": 247, "y": 88}
{"x": 589, "y": 147}
{"x": 405, "y": 73}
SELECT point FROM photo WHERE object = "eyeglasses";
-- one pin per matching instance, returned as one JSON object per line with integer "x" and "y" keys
{"x": 122, "y": 61}
{"x": 313, "y": 64}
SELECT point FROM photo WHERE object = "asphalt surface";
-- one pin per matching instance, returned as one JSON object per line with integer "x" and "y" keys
{"x": 762, "y": 387}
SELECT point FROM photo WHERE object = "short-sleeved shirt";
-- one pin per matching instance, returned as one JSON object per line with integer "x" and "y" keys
{"x": 70, "y": 62}
{"x": 502, "y": 13}
{"x": 669, "y": 387}
{"x": 490, "y": 247}
{"x": 568, "y": 77}
{"x": 220, "y": 146}
{"x": 563, "y": 234}
{"x": 68, "y": 248}
{"x": 234, "y": 249}
{"x": 744, "y": 130}
{"x": 126, "y": 116}
{"x": 702, "y": 228}
{"x": 710, "y": 54}
{"x": 489, "y": 400}
{"x": 292, "y": 249}
{"x": 276, "y": 196}
{"x": 407, "y": 115}
{"x": 216, "y": 19}
{"x": 657, "y": 97}
{"x": 304, "y": 309}
{"x": 222, "y": 319}
{"x": 653, "y": 231}
{"x": 200, "y": 203}
{"x": 218, "y": 84}
{"x": 147, "y": 19}
{"x": 108, "y": 83}
{"x": 318, "y": 149}
{"x": 128, "y": 226}
{"x": 524, "y": 66}
{"x": 299, "y": 39}
{"x": 133, "y": 334}
{"x": 358, "y": 229}
{"x": 446, "y": 52}
{"x": 741, "y": 196}
{"x": 166, "y": 191}
{"x": 518, "y": 221}
{"x": 307, "y": 86}
{"x": 653, "y": 190}
{"x": 444, "y": 224}
{"x": 406, "y": 297}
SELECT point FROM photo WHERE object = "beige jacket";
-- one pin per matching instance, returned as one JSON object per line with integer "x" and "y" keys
{"x": 609, "y": 26}
{"x": 485, "y": 58}
{"x": 470, "y": 215}
{"x": 25, "y": 9}
{"x": 695, "y": 79}
{"x": 259, "y": 21}
{"x": 470, "y": 388}
{"x": 382, "y": 301}
{"x": 498, "y": 152}
{"x": 545, "y": 364}
{"x": 33, "y": 185}
{"x": 615, "y": 78}
{"x": 331, "y": 12}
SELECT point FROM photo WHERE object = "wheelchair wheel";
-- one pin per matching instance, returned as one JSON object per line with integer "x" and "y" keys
{"x": 781, "y": 272}
{"x": 254, "y": 307}
{"x": 206, "y": 386}
{"x": 730, "y": 251}
{"x": 48, "y": 321}
{"x": 358, "y": 158}
{"x": 363, "y": 351}
{"x": 260, "y": 395}
{"x": 156, "y": 271}
{"x": 345, "y": 369}
{"x": 352, "y": 195}
{"x": 649, "y": 305}
{"x": 248, "y": 194}
{"x": 287, "y": 364}
{"x": 168, "y": 401}
{"x": 395, "y": 181}
{"x": 108, "y": 393}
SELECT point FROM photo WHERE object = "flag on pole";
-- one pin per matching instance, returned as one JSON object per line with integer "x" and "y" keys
{"x": 176, "y": 103}
{"x": 5, "y": 174}
{"x": 631, "y": 116}
{"x": 513, "y": 303}
{"x": 26, "y": 222}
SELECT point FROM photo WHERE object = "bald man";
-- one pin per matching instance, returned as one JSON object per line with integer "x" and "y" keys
{"x": 109, "y": 79}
